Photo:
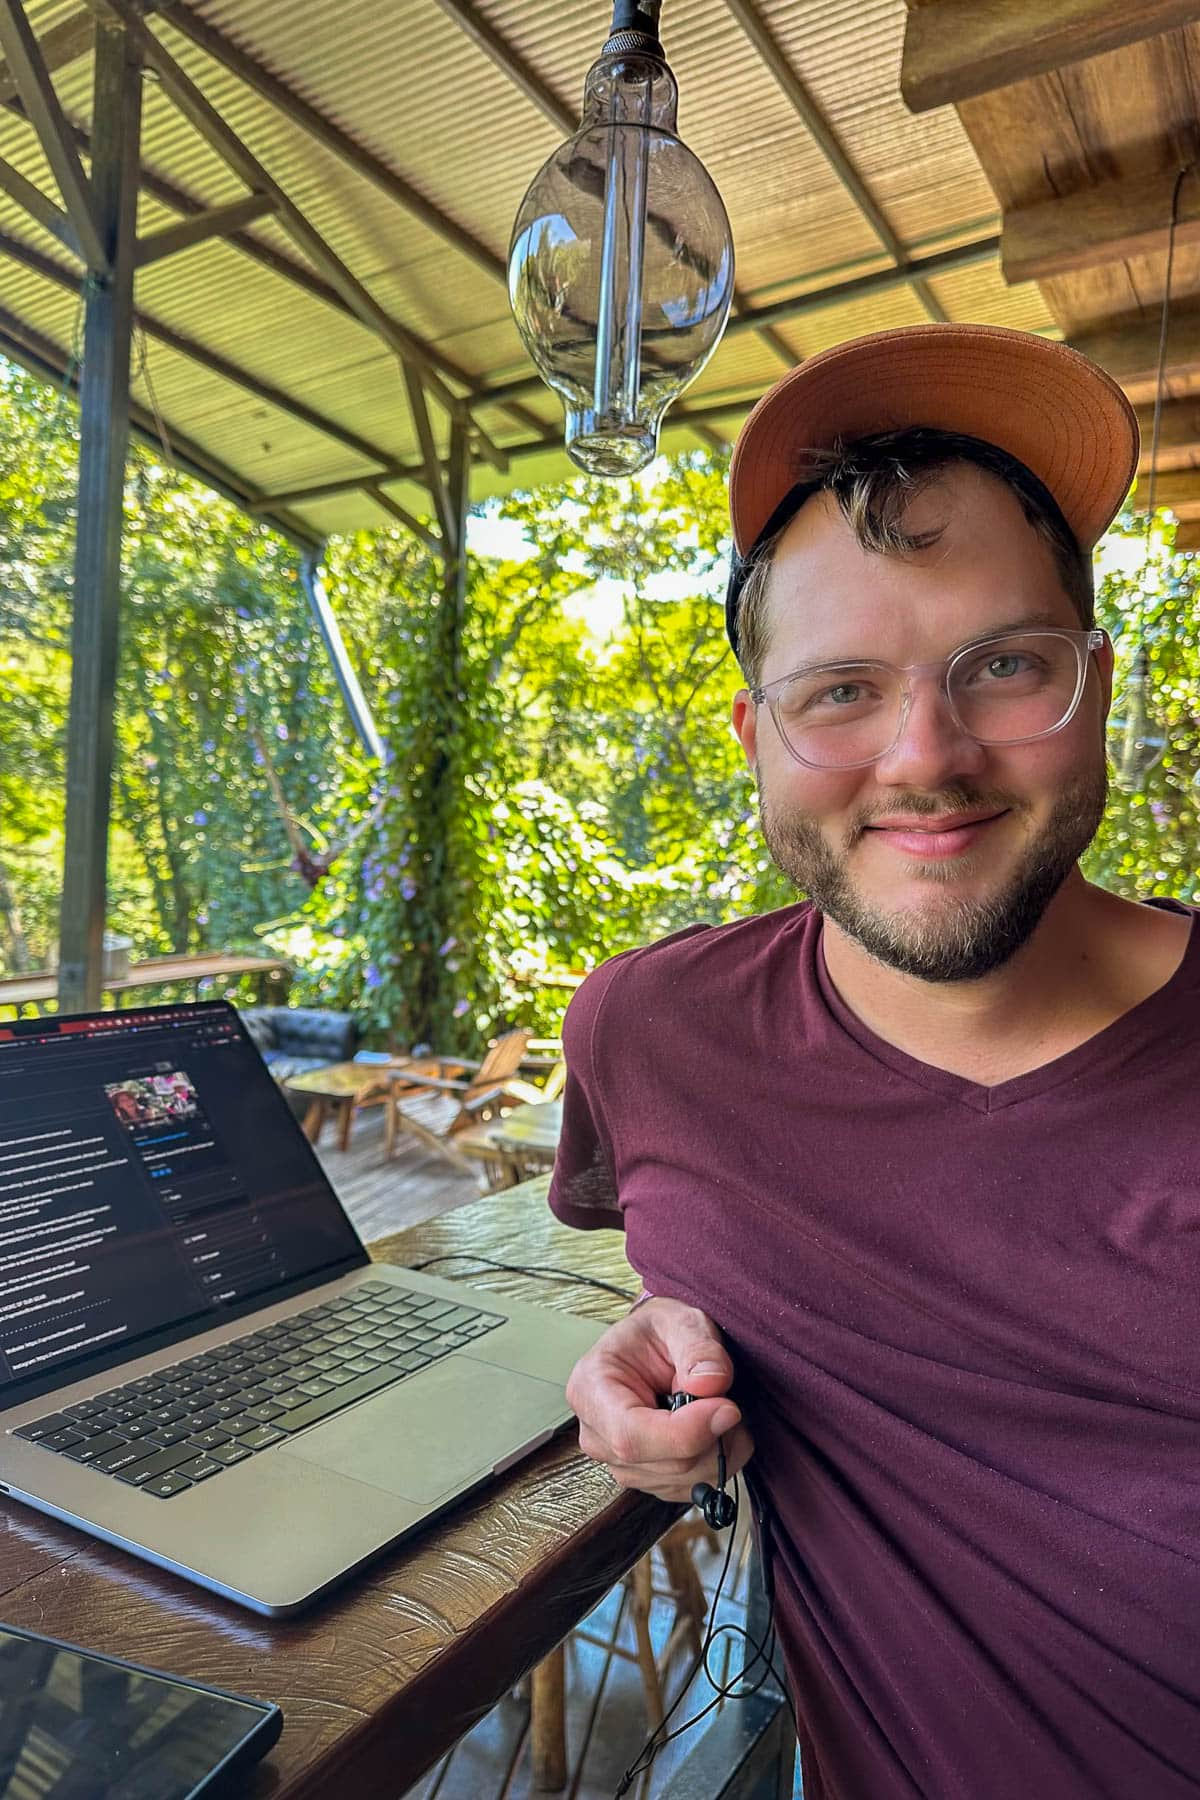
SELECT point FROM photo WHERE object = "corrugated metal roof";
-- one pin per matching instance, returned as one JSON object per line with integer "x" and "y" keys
{"x": 432, "y": 106}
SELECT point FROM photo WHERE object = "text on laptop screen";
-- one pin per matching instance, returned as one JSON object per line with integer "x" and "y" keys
{"x": 150, "y": 1176}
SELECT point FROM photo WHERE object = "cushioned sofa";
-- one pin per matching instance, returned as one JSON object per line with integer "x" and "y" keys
{"x": 294, "y": 1039}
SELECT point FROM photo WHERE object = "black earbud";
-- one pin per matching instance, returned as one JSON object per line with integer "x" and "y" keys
{"x": 717, "y": 1507}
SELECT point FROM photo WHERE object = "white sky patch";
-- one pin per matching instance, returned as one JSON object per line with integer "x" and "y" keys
{"x": 505, "y": 539}
{"x": 600, "y": 607}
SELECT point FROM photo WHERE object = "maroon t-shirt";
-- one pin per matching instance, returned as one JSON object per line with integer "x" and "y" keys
{"x": 965, "y": 1325}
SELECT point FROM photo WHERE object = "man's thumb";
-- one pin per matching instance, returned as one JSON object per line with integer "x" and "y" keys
{"x": 703, "y": 1362}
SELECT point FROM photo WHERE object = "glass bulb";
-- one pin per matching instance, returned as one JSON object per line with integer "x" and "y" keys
{"x": 620, "y": 273}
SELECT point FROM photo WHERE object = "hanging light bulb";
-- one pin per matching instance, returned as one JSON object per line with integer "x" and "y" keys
{"x": 1137, "y": 743}
{"x": 620, "y": 273}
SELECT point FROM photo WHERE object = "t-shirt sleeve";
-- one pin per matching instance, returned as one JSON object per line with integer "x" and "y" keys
{"x": 583, "y": 1188}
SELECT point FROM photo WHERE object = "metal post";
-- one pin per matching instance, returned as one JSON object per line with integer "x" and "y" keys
{"x": 104, "y": 438}
{"x": 343, "y": 669}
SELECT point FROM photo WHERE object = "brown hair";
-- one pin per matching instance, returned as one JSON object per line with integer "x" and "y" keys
{"x": 875, "y": 480}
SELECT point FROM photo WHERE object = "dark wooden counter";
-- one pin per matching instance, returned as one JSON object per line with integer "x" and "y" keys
{"x": 378, "y": 1680}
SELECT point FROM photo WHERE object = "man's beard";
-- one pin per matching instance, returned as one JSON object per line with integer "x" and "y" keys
{"x": 960, "y": 940}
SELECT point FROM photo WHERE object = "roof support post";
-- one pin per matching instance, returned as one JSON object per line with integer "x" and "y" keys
{"x": 440, "y": 759}
{"x": 104, "y": 438}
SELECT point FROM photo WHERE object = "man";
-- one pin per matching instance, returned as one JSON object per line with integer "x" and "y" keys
{"x": 910, "y": 1169}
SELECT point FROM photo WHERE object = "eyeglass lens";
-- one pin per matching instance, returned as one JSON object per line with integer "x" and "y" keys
{"x": 1017, "y": 686}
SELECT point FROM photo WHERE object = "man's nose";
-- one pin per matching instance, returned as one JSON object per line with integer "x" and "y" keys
{"x": 932, "y": 749}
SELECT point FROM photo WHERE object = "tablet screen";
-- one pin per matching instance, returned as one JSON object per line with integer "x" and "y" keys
{"x": 97, "y": 1729}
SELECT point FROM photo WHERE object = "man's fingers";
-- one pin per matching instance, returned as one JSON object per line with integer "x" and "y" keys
{"x": 645, "y": 1434}
{"x": 675, "y": 1481}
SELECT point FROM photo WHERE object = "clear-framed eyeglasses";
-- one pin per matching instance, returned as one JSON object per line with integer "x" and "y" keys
{"x": 1010, "y": 688}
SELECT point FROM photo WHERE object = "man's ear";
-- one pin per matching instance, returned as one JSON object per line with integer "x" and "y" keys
{"x": 745, "y": 723}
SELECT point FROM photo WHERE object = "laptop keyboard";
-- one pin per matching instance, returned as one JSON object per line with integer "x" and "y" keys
{"x": 166, "y": 1432}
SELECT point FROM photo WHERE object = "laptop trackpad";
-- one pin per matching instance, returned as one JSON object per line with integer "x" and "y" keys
{"x": 427, "y": 1437}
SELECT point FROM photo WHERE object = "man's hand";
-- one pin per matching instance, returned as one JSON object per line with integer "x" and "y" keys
{"x": 663, "y": 1347}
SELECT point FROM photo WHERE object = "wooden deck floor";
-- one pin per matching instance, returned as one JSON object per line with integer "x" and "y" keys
{"x": 605, "y": 1707}
{"x": 382, "y": 1197}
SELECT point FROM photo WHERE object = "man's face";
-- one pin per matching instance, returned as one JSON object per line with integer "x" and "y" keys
{"x": 1020, "y": 815}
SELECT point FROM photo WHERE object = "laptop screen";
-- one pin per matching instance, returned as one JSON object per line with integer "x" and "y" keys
{"x": 152, "y": 1179}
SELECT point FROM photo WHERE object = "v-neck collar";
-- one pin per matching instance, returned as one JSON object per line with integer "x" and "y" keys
{"x": 1141, "y": 1021}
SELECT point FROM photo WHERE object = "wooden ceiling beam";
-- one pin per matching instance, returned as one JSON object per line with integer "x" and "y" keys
{"x": 1187, "y": 534}
{"x": 955, "y": 49}
{"x": 1105, "y": 223}
{"x": 1178, "y": 428}
{"x": 1175, "y": 488}
{"x": 1128, "y": 348}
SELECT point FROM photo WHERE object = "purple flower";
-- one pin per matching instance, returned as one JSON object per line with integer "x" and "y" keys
{"x": 371, "y": 976}
{"x": 281, "y": 732}
{"x": 243, "y": 612}
{"x": 447, "y": 947}
{"x": 208, "y": 746}
{"x": 1159, "y": 809}
{"x": 408, "y": 888}
{"x": 199, "y": 818}
{"x": 460, "y": 1007}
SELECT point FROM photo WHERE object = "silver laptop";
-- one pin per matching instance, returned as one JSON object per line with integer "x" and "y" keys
{"x": 198, "y": 1361}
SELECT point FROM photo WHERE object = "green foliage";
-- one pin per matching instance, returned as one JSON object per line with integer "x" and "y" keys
{"x": 1149, "y": 839}
{"x": 561, "y": 779}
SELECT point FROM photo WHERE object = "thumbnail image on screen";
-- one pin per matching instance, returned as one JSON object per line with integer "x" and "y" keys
{"x": 155, "y": 1100}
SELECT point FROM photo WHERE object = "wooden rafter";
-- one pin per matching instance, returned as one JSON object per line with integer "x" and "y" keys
{"x": 214, "y": 221}
{"x": 1187, "y": 534}
{"x": 41, "y": 356}
{"x": 298, "y": 274}
{"x": 1105, "y": 223}
{"x": 212, "y": 360}
{"x": 27, "y": 67}
{"x": 402, "y": 516}
{"x": 326, "y": 131}
{"x": 954, "y": 49}
{"x": 64, "y": 43}
{"x": 39, "y": 206}
{"x": 771, "y": 53}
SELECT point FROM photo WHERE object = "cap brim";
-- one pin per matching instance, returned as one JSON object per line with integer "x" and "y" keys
{"x": 1054, "y": 410}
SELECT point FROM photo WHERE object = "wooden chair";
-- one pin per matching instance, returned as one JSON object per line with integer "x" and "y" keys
{"x": 437, "y": 1099}
{"x": 503, "y": 1164}
{"x": 548, "y": 1724}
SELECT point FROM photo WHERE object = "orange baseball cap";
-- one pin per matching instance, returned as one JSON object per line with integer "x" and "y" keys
{"x": 1054, "y": 410}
